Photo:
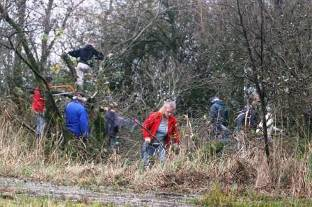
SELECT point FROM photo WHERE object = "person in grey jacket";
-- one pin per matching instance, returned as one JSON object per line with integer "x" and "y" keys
{"x": 218, "y": 115}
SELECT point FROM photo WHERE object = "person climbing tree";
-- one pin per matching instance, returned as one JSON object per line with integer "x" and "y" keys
{"x": 85, "y": 56}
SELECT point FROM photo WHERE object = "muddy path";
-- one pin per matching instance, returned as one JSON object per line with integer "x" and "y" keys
{"x": 31, "y": 188}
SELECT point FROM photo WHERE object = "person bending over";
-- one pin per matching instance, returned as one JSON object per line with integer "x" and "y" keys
{"x": 159, "y": 130}
{"x": 76, "y": 117}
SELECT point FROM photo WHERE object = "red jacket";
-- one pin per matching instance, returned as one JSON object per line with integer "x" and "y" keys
{"x": 38, "y": 103}
{"x": 152, "y": 123}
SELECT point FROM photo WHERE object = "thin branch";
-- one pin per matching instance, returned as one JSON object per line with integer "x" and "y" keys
{"x": 31, "y": 62}
{"x": 259, "y": 87}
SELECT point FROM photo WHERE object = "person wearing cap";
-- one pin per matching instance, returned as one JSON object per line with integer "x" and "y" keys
{"x": 85, "y": 56}
{"x": 218, "y": 115}
{"x": 76, "y": 117}
{"x": 159, "y": 130}
{"x": 39, "y": 107}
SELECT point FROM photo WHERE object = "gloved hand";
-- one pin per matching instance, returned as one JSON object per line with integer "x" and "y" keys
{"x": 144, "y": 147}
{"x": 147, "y": 140}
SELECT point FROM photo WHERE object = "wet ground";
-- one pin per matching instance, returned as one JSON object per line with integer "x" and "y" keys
{"x": 18, "y": 186}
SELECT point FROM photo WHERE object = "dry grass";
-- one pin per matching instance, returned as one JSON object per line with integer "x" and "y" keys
{"x": 16, "y": 201}
{"x": 195, "y": 173}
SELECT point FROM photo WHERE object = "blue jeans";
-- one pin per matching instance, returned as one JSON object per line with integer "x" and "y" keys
{"x": 153, "y": 150}
{"x": 40, "y": 124}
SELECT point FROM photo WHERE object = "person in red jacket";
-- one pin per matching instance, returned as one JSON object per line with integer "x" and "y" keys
{"x": 159, "y": 131}
{"x": 38, "y": 107}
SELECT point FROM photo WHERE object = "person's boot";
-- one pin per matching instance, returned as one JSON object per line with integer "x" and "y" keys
{"x": 85, "y": 140}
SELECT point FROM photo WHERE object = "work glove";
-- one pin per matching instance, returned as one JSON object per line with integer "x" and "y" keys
{"x": 144, "y": 148}
{"x": 147, "y": 140}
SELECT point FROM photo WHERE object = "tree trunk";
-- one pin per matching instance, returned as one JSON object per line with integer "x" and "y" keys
{"x": 44, "y": 42}
{"x": 29, "y": 60}
{"x": 17, "y": 67}
{"x": 257, "y": 76}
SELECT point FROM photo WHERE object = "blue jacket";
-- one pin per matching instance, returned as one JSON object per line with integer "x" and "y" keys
{"x": 76, "y": 117}
{"x": 218, "y": 113}
{"x": 86, "y": 53}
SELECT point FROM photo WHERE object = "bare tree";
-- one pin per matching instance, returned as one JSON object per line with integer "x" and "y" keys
{"x": 17, "y": 67}
{"x": 26, "y": 48}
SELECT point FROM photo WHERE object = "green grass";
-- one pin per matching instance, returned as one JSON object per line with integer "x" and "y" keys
{"x": 216, "y": 197}
{"x": 16, "y": 201}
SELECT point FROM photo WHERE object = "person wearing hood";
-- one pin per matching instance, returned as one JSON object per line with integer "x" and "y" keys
{"x": 85, "y": 56}
{"x": 218, "y": 115}
{"x": 76, "y": 117}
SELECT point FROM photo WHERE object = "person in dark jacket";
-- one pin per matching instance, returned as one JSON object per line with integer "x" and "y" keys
{"x": 111, "y": 125}
{"x": 246, "y": 119}
{"x": 76, "y": 117}
{"x": 114, "y": 122}
{"x": 85, "y": 56}
{"x": 219, "y": 116}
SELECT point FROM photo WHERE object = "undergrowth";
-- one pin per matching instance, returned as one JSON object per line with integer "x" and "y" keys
{"x": 16, "y": 201}
{"x": 218, "y": 197}
{"x": 193, "y": 170}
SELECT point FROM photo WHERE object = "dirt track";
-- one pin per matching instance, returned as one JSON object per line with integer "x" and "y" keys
{"x": 17, "y": 186}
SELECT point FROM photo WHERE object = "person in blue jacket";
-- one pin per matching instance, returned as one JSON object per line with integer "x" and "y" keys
{"x": 219, "y": 117}
{"x": 85, "y": 56}
{"x": 76, "y": 117}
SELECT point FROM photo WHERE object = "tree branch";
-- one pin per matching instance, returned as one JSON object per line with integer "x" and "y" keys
{"x": 259, "y": 86}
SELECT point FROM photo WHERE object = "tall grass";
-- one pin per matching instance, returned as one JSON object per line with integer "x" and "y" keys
{"x": 192, "y": 170}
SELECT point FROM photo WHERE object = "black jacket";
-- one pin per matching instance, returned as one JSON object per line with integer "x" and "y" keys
{"x": 111, "y": 123}
{"x": 86, "y": 53}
